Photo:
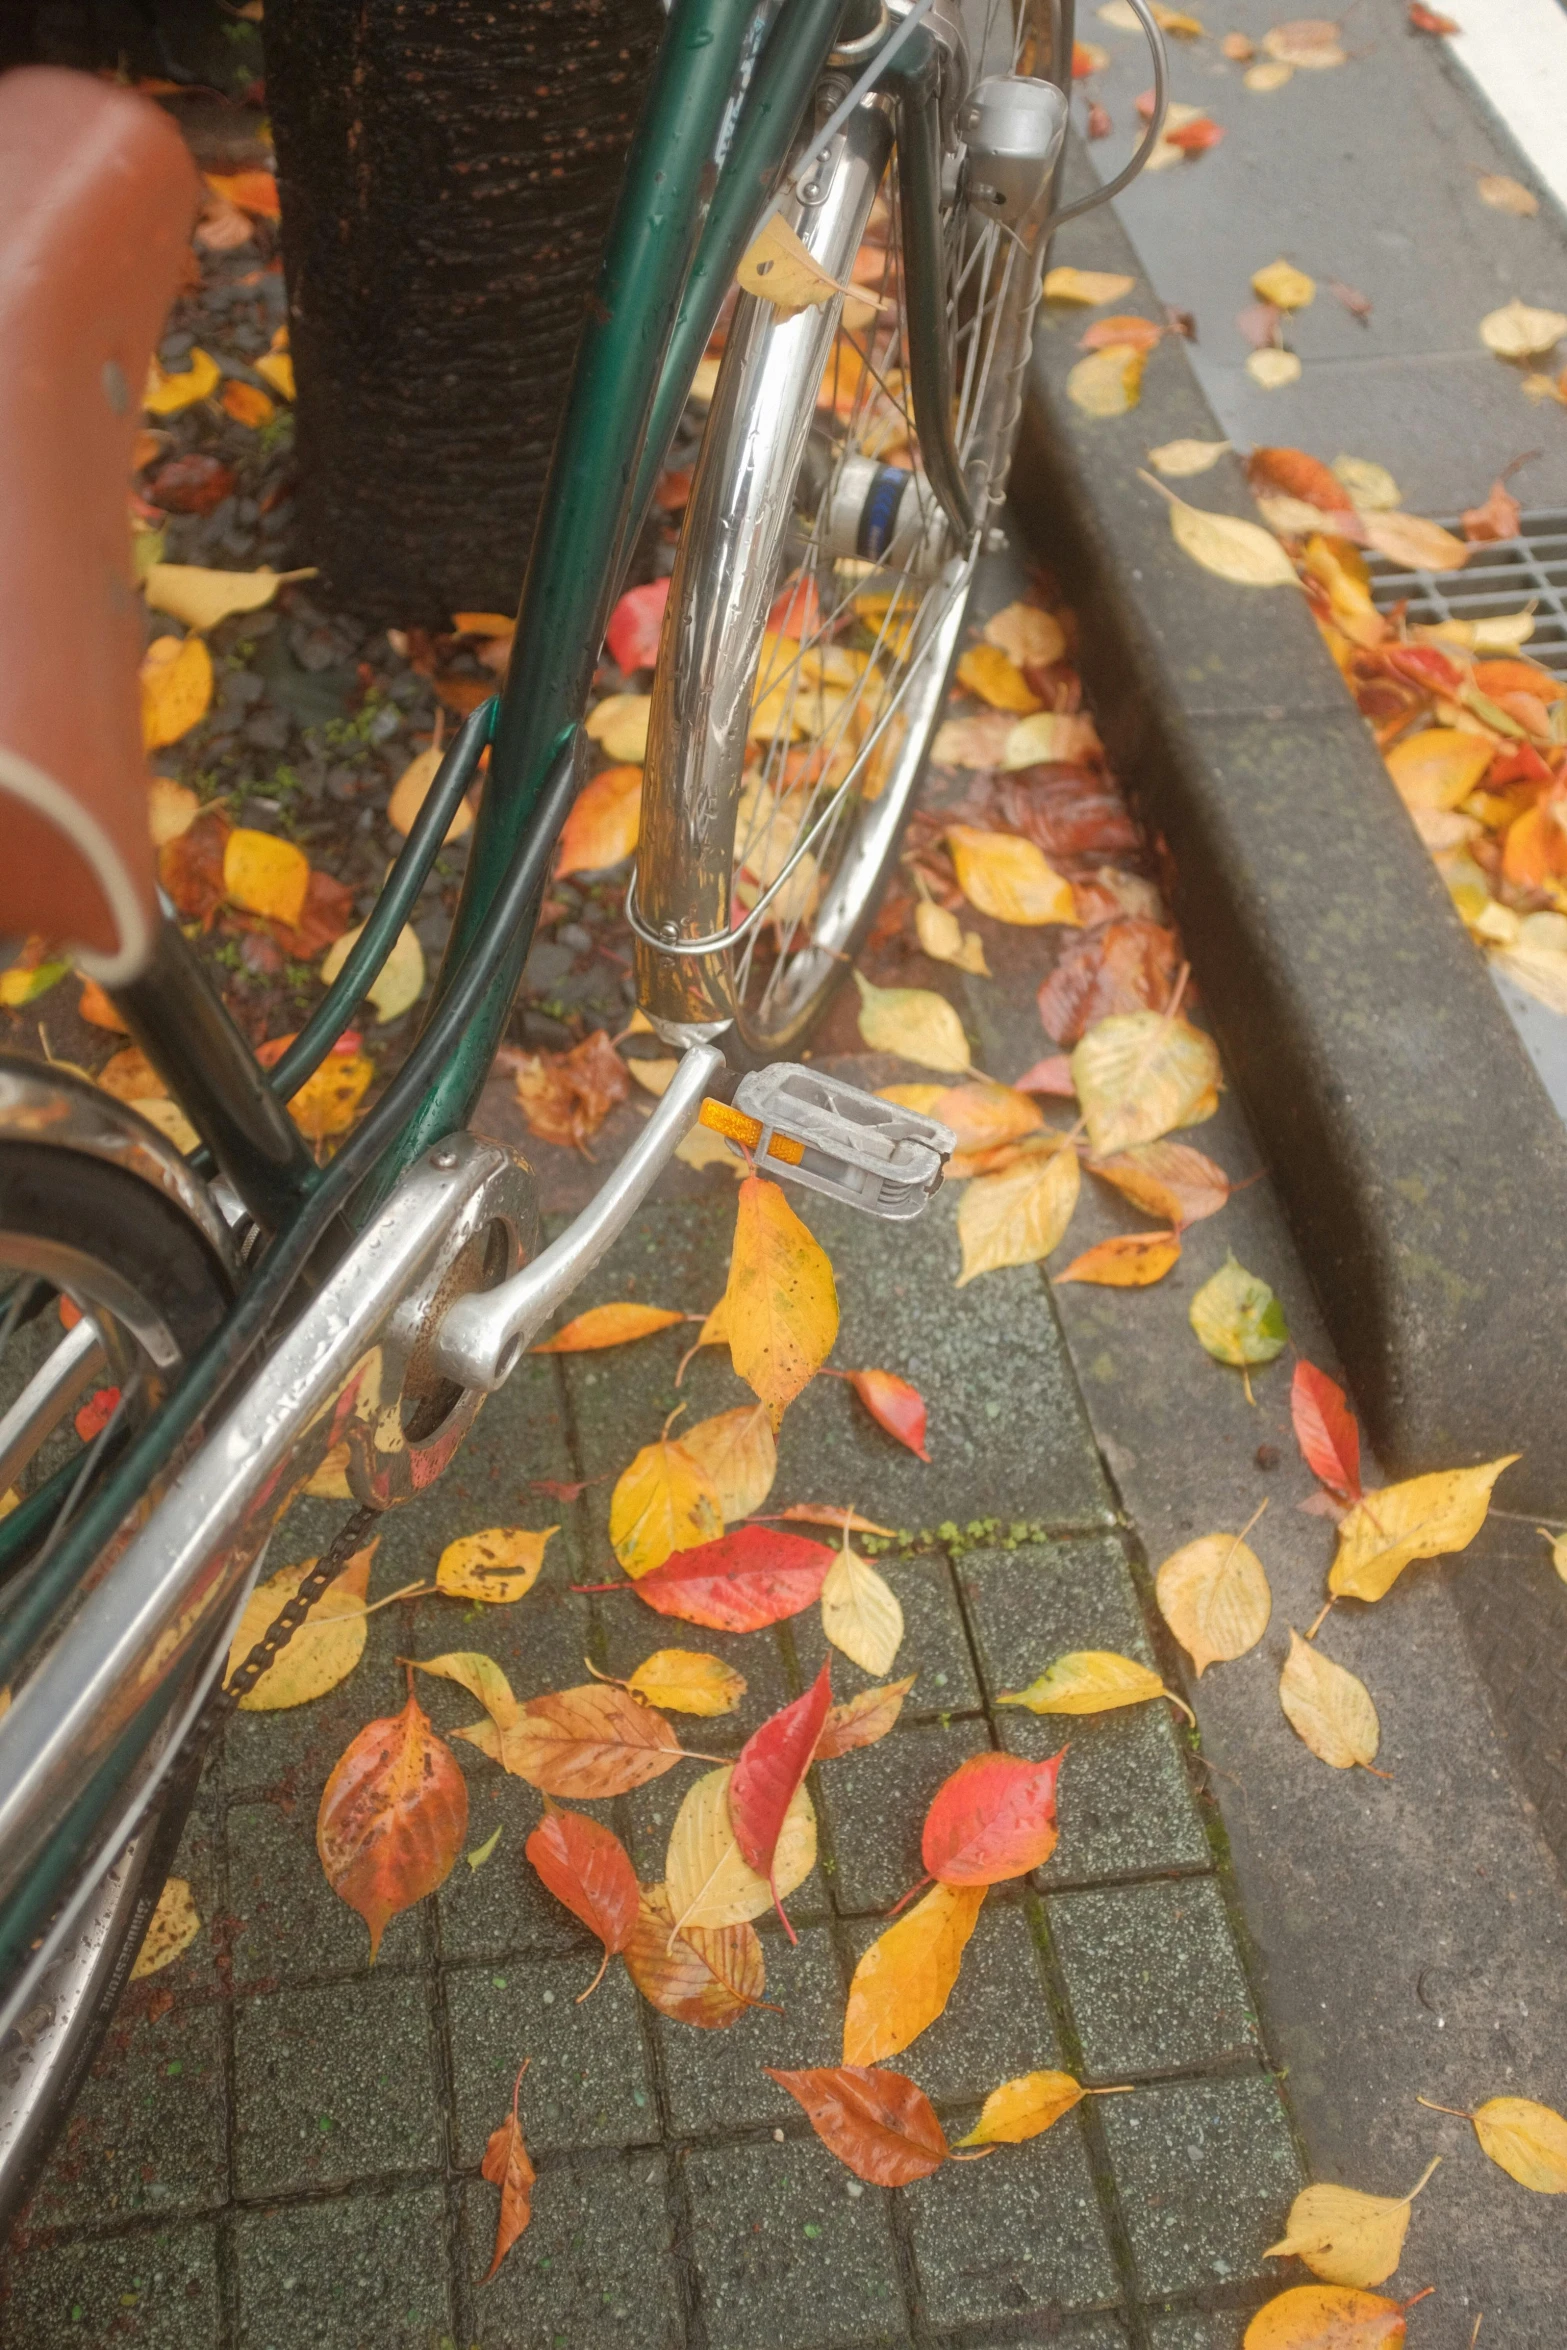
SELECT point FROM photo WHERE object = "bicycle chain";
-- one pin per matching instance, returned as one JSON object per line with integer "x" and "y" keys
{"x": 349, "y": 1538}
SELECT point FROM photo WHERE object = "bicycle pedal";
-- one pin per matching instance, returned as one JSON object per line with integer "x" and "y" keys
{"x": 835, "y": 1138}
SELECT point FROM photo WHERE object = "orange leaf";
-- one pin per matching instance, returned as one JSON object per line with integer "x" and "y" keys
{"x": 862, "y": 1720}
{"x": 994, "y": 1817}
{"x": 604, "y": 822}
{"x": 393, "y": 1818}
{"x": 983, "y": 1116}
{"x": 585, "y": 1743}
{"x": 986, "y": 670}
{"x": 1128, "y": 333}
{"x": 894, "y": 1405}
{"x": 506, "y": 2166}
{"x": 812, "y": 1513}
{"x": 905, "y": 1979}
{"x": 1517, "y": 677}
{"x": 704, "y": 1975}
{"x": 1535, "y": 849}
{"x": 566, "y": 1097}
{"x": 1131, "y": 1260}
{"x": 246, "y": 403}
{"x": 1326, "y": 2317}
{"x": 780, "y": 1307}
{"x": 882, "y": 2125}
{"x": 1290, "y": 473}
{"x": 612, "y": 1325}
{"x": 253, "y": 191}
{"x": 1169, "y": 1179}
{"x": 96, "y": 1007}
{"x": 588, "y": 1869}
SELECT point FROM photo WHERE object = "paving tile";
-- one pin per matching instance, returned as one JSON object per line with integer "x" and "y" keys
{"x": 935, "y": 1644}
{"x": 199, "y": 1968}
{"x": 1031, "y": 1604}
{"x": 1207, "y": 2329}
{"x": 158, "y": 2288}
{"x": 148, "y": 2132}
{"x": 875, "y": 1802}
{"x": 501, "y": 1909}
{"x": 999, "y": 2238}
{"x": 1153, "y": 1977}
{"x": 788, "y": 2255}
{"x": 288, "y": 1924}
{"x": 1206, "y": 2171}
{"x": 334, "y": 2084}
{"x": 587, "y": 2082}
{"x": 1084, "y": 2333}
{"x": 344, "y": 2274}
{"x": 716, "y": 2081}
{"x": 997, "y": 2022}
{"x": 593, "y": 2272}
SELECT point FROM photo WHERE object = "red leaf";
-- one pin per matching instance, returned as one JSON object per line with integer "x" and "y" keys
{"x": 588, "y": 1868}
{"x": 1066, "y": 812}
{"x": 191, "y": 485}
{"x": 1195, "y": 138}
{"x": 1424, "y": 665}
{"x": 1325, "y": 1430}
{"x": 1051, "y": 1076}
{"x": 771, "y": 1764}
{"x": 96, "y": 1413}
{"x": 994, "y": 1818}
{"x": 393, "y": 1817}
{"x": 1099, "y": 124}
{"x": 894, "y": 1405}
{"x": 881, "y": 2124}
{"x": 1426, "y": 20}
{"x": 1518, "y": 763}
{"x": 506, "y": 2166}
{"x": 632, "y": 634}
{"x": 797, "y": 610}
{"x": 1124, "y": 966}
{"x": 191, "y": 867}
{"x": 744, "y": 1580}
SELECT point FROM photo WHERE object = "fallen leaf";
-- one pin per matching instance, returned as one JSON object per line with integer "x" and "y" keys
{"x": 588, "y": 1869}
{"x": 1138, "y": 1074}
{"x": 1429, "y": 20}
{"x": 860, "y": 1612}
{"x": 1270, "y": 74}
{"x": 780, "y": 1305}
{"x": 1417, "y": 544}
{"x": 166, "y": 395}
{"x": 604, "y": 823}
{"x": 566, "y": 1097}
{"x": 1372, "y": 489}
{"x": 707, "y": 1877}
{"x": 202, "y": 598}
{"x": 172, "y": 808}
{"x": 994, "y": 1817}
{"x": 1286, "y": 287}
{"x": 633, "y": 631}
{"x": 1327, "y": 1435}
{"x": 583, "y": 1743}
{"x": 247, "y": 404}
{"x": 1506, "y": 195}
{"x": 1310, "y": 42}
{"x": 483, "y": 1852}
{"x": 619, "y": 725}
{"x": 1294, "y": 474}
{"x": 1326, "y": 2317}
{"x": 894, "y": 1405}
{"x": 1422, "y": 1518}
{"x": 702, "y": 1975}
{"x": 1181, "y": 458}
{"x": 1021, "y": 2109}
{"x": 171, "y": 1930}
{"x": 1008, "y": 879}
{"x": 882, "y": 2125}
{"x": 862, "y": 1720}
{"x": 904, "y": 1980}
{"x": 752, "y": 1577}
{"x": 176, "y": 689}
{"x": 687, "y": 1681}
{"x": 996, "y": 678}
{"x": 1439, "y": 766}
{"x": 506, "y": 2166}
{"x": 769, "y": 1772}
{"x": 328, "y": 1101}
{"x": 1519, "y": 331}
{"x": 914, "y": 1023}
{"x": 1273, "y": 369}
{"x": 1050, "y": 736}
{"x": 1107, "y": 382}
{"x": 393, "y": 1818}
{"x": 1214, "y": 1595}
{"x": 777, "y": 267}
{"x": 1130, "y": 1260}
{"x": 664, "y": 1501}
{"x": 944, "y": 939}
{"x": 1497, "y": 516}
{"x": 1090, "y": 1681}
{"x": 737, "y": 1452}
{"x": 1194, "y": 137}
{"x": 1527, "y": 2140}
{"x": 497, "y": 1566}
{"x": 1328, "y": 1708}
{"x": 253, "y": 191}
{"x": 1242, "y": 552}
{"x": 324, "y": 1650}
{"x": 483, "y": 1678}
{"x": 1237, "y": 48}
{"x": 1169, "y": 1179}
{"x": 264, "y": 874}
{"x": 1018, "y": 1216}
{"x": 1091, "y": 287}
{"x": 399, "y": 983}
{"x": 412, "y": 789}
{"x": 1346, "y": 2237}
{"x": 278, "y": 368}
{"x": 1027, "y": 635}
{"x": 612, "y": 1325}
{"x": 813, "y": 1513}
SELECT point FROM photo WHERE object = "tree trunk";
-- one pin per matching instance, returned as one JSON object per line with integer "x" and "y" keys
{"x": 447, "y": 170}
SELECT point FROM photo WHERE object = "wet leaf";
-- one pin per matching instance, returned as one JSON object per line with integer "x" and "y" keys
{"x": 253, "y": 191}
{"x": 166, "y": 395}
{"x": 588, "y": 1869}
{"x": 1519, "y": 331}
{"x": 1312, "y": 43}
{"x": 664, "y": 1501}
{"x": 914, "y": 1023}
{"x": 1049, "y": 735}
{"x": 995, "y": 677}
{"x": 1138, "y": 1074}
{"x": 814, "y": 1513}
{"x": 1019, "y": 1215}
{"x": 1326, "y": 1432}
{"x": 1294, "y": 474}
{"x": 1091, "y": 287}
{"x": 1178, "y": 459}
{"x": 1407, "y": 539}
{"x": 993, "y": 1818}
{"x": 328, "y": 1101}
{"x": 264, "y": 874}
{"x": 605, "y": 821}
{"x": 738, "y": 1453}
{"x": 882, "y": 2125}
{"x": 1027, "y": 635}
{"x": 412, "y": 789}
{"x": 612, "y": 1325}
{"x": 1131, "y": 1260}
{"x": 1346, "y": 2237}
{"x": 708, "y": 1879}
{"x": 768, "y": 1774}
{"x": 202, "y": 598}
{"x": 485, "y": 1851}
{"x": 752, "y": 1577}
{"x": 778, "y": 268}
{"x": 1558, "y": 1543}
{"x": 1423, "y": 1518}
{"x": 633, "y": 631}
{"x": 687, "y": 1681}
{"x": 1326, "y": 2317}
{"x": 1328, "y": 1707}
{"x": 1108, "y": 382}
{"x": 860, "y": 1612}
{"x": 1238, "y": 1318}
{"x": 393, "y": 1818}
{"x": 1009, "y": 879}
{"x": 1089, "y": 1681}
{"x": 172, "y": 808}
{"x": 1239, "y": 551}
{"x": 497, "y": 1566}
{"x": 584, "y": 1743}
{"x": 1438, "y": 766}
{"x": 483, "y": 1678}
{"x": 1270, "y": 74}
{"x": 704, "y": 1975}
{"x": 246, "y": 403}
{"x": 1021, "y": 2109}
{"x": 780, "y": 1305}
{"x": 1286, "y": 287}
{"x": 171, "y": 1930}
{"x": 1506, "y": 195}
{"x": 1125, "y": 331}
{"x": 566, "y": 1097}
{"x": 506, "y": 2166}
{"x": 894, "y": 1405}
{"x": 1529, "y": 2141}
{"x": 944, "y": 939}
{"x": 619, "y": 725}
{"x": 1214, "y": 1595}
{"x": 1498, "y": 516}
{"x": 176, "y": 689}
{"x": 904, "y": 1980}
{"x": 399, "y": 983}
{"x": 325, "y": 1649}
{"x": 1128, "y": 964}
{"x": 980, "y": 1114}
{"x": 862, "y": 1720}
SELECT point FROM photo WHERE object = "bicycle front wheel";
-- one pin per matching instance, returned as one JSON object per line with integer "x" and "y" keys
{"x": 820, "y": 586}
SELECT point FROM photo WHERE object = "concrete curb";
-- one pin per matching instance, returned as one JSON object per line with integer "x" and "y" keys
{"x": 1419, "y": 1159}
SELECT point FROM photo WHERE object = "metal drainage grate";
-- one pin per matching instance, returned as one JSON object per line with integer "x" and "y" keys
{"x": 1503, "y": 577}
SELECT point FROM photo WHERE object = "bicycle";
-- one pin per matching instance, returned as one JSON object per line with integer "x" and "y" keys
{"x": 256, "y": 1309}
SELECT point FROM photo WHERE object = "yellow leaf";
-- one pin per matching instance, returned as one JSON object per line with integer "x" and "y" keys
{"x": 1423, "y": 1518}
{"x": 171, "y": 1123}
{"x": 1214, "y": 1595}
{"x": 990, "y": 673}
{"x": 1026, "y": 634}
{"x": 1107, "y": 382}
{"x": 1009, "y": 879}
{"x": 604, "y": 823}
{"x": 1092, "y": 287}
{"x": 483, "y": 1678}
{"x": 688, "y": 1681}
{"x": 780, "y": 1308}
{"x": 412, "y": 789}
{"x": 325, "y": 1649}
{"x": 1130, "y": 1260}
{"x": 166, "y": 395}
{"x": 172, "y": 1928}
{"x": 1328, "y": 1707}
{"x": 328, "y": 1102}
{"x": 654, "y": 1077}
{"x": 1344, "y": 2236}
{"x": 1518, "y": 331}
{"x": 1023, "y": 2108}
{"x": 398, "y": 984}
{"x": 860, "y": 1613}
{"x": 1237, "y": 1317}
{"x": 905, "y": 1978}
{"x": 176, "y": 689}
{"x": 1180, "y": 458}
{"x": 1268, "y": 74}
{"x": 172, "y": 808}
{"x": 1019, "y": 1215}
{"x": 330, "y": 1481}
{"x": 663, "y": 1501}
{"x": 777, "y": 268}
{"x": 913, "y": 1023}
{"x": 1326, "y": 2317}
{"x": 1049, "y": 734}
{"x": 619, "y": 723}
{"x": 1285, "y": 287}
{"x": 944, "y": 939}
{"x": 1558, "y": 1543}
{"x": 1506, "y": 195}
{"x": 1529, "y": 2142}
{"x": 1273, "y": 369}
{"x": 1372, "y": 489}
{"x": 738, "y": 1452}
{"x": 498, "y": 1565}
{"x": 1439, "y": 766}
{"x": 1090, "y": 1681}
{"x": 613, "y": 1325}
{"x": 1241, "y": 552}
{"x": 25, "y": 981}
{"x": 201, "y": 598}
{"x": 1421, "y": 545}
{"x": 278, "y": 368}
{"x": 265, "y": 875}
{"x": 1311, "y": 42}
{"x": 1138, "y": 1074}
{"x": 707, "y": 1881}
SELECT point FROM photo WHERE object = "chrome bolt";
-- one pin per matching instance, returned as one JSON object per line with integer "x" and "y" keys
{"x": 445, "y": 1158}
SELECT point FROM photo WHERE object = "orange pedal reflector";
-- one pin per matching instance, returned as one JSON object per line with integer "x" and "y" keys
{"x": 733, "y": 1124}
{"x": 784, "y": 1146}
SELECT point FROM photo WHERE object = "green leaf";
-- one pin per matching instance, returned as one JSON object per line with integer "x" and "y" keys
{"x": 1238, "y": 1318}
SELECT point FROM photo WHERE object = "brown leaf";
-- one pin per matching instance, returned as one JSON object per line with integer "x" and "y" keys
{"x": 1128, "y": 965}
{"x": 1169, "y": 1179}
{"x": 882, "y": 2125}
{"x": 1293, "y": 474}
{"x": 506, "y": 2166}
{"x": 585, "y": 1743}
{"x": 566, "y": 1097}
{"x": 1497, "y": 516}
{"x": 393, "y": 1817}
{"x": 704, "y": 1975}
{"x": 862, "y": 1720}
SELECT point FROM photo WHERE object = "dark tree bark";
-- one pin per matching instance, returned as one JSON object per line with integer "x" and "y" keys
{"x": 447, "y": 169}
